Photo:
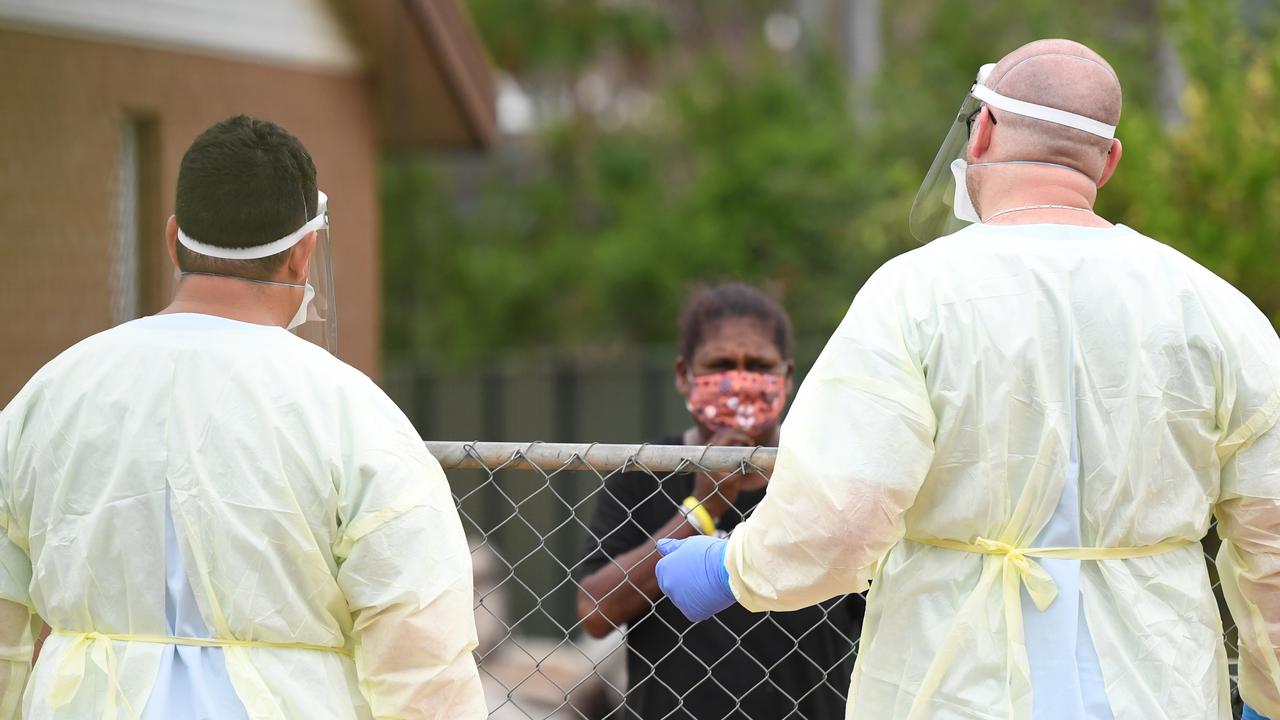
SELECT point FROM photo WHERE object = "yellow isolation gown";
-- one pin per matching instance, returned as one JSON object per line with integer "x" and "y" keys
{"x": 988, "y": 386}
{"x": 320, "y": 539}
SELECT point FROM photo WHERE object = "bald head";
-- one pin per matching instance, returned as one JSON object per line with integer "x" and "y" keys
{"x": 1060, "y": 74}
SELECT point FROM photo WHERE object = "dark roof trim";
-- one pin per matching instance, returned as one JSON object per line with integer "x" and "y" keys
{"x": 454, "y": 43}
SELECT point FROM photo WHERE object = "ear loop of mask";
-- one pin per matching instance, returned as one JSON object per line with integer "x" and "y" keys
{"x": 241, "y": 277}
{"x": 1032, "y": 162}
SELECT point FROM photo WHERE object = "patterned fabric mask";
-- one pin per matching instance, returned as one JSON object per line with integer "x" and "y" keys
{"x": 748, "y": 401}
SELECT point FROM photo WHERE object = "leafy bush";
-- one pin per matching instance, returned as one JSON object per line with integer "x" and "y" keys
{"x": 751, "y": 167}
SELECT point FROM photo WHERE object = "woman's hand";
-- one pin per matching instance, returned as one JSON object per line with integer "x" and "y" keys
{"x": 718, "y": 491}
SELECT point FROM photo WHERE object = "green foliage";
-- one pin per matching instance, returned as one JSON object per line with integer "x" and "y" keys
{"x": 1212, "y": 186}
{"x": 526, "y": 36}
{"x": 752, "y": 167}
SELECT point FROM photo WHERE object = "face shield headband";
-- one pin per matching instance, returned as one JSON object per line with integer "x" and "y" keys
{"x": 256, "y": 252}
{"x": 315, "y": 319}
{"x": 943, "y": 204}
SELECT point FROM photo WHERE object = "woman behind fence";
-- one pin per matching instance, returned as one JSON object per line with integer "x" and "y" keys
{"x": 735, "y": 371}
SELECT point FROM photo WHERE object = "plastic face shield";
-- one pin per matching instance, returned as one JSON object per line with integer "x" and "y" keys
{"x": 942, "y": 205}
{"x": 933, "y": 214}
{"x": 320, "y": 321}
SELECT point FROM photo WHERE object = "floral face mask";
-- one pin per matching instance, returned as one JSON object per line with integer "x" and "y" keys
{"x": 747, "y": 401}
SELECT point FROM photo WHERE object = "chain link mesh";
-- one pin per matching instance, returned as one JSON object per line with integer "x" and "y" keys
{"x": 527, "y": 510}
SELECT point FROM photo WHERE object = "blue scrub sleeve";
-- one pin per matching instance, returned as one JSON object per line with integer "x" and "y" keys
{"x": 1251, "y": 714}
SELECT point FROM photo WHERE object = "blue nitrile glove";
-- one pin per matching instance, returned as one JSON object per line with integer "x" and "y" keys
{"x": 1249, "y": 713}
{"x": 693, "y": 575}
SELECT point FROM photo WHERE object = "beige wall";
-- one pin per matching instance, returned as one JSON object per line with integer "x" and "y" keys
{"x": 62, "y": 105}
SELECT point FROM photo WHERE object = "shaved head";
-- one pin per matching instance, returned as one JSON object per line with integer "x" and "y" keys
{"x": 1060, "y": 74}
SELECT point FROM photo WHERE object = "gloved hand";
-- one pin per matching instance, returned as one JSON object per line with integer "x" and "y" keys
{"x": 693, "y": 575}
{"x": 1249, "y": 713}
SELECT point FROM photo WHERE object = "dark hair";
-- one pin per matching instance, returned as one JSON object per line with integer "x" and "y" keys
{"x": 709, "y": 305}
{"x": 243, "y": 182}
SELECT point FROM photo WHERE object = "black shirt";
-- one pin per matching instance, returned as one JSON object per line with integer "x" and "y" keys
{"x": 739, "y": 665}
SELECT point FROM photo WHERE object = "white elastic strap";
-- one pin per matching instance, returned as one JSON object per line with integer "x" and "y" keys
{"x": 257, "y": 251}
{"x": 1041, "y": 112}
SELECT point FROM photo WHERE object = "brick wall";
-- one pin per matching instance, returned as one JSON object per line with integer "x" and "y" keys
{"x": 63, "y": 103}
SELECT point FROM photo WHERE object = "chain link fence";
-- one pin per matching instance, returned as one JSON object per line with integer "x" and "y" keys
{"x": 543, "y": 517}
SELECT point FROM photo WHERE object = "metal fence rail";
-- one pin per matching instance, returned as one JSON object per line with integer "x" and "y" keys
{"x": 527, "y": 508}
{"x": 554, "y": 457}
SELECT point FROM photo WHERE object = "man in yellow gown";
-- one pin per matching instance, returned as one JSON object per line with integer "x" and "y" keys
{"x": 217, "y": 518}
{"x": 1018, "y": 436}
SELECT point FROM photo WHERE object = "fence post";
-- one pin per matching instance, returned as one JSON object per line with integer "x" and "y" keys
{"x": 655, "y": 382}
{"x": 422, "y": 384}
{"x": 566, "y": 399}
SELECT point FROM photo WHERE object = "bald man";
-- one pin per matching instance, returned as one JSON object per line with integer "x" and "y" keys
{"x": 1017, "y": 438}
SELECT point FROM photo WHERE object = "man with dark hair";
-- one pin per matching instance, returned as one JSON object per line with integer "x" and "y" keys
{"x": 223, "y": 209}
{"x": 734, "y": 370}
{"x": 216, "y": 518}
{"x": 222, "y": 206}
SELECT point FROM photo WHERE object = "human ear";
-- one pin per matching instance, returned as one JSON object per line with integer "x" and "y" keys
{"x": 980, "y": 139}
{"x": 300, "y": 258}
{"x": 171, "y": 239}
{"x": 682, "y": 377}
{"x": 1113, "y": 159}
